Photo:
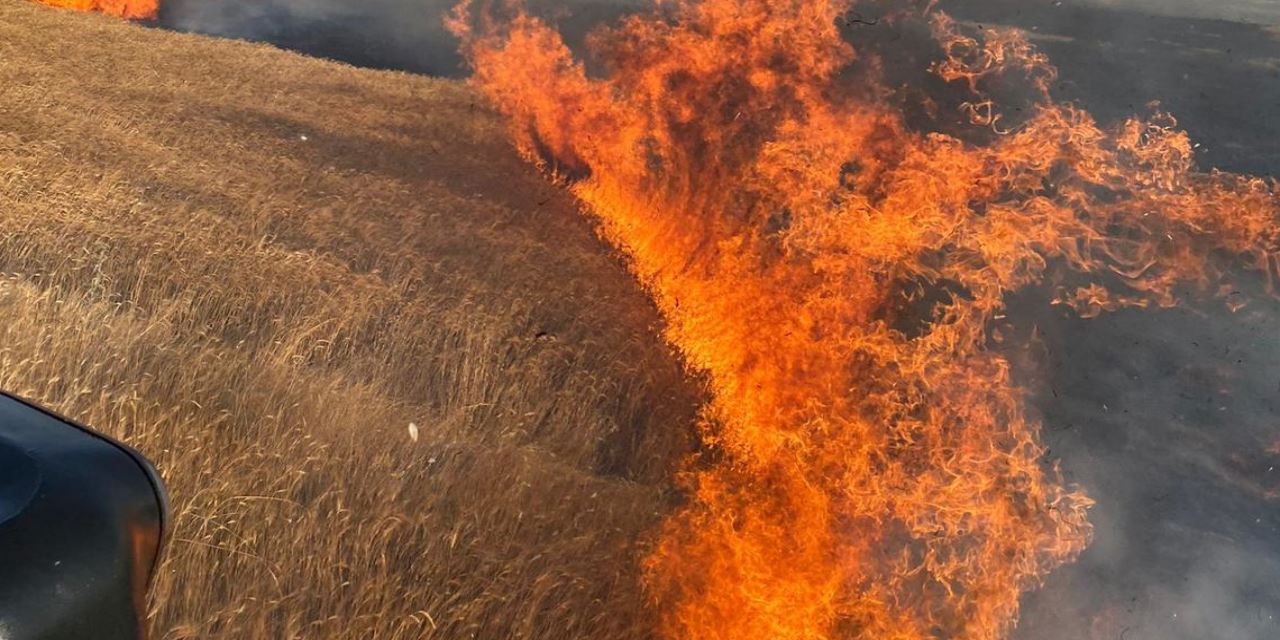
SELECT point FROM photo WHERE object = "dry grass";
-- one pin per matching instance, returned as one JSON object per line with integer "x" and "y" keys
{"x": 260, "y": 268}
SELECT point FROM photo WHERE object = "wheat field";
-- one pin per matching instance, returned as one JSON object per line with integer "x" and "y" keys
{"x": 260, "y": 269}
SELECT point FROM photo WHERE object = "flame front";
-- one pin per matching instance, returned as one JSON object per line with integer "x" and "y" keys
{"x": 130, "y": 9}
{"x": 836, "y": 274}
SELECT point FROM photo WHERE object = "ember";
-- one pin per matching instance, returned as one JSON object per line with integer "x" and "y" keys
{"x": 837, "y": 271}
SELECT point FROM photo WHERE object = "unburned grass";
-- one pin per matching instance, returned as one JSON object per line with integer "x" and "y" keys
{"x": 260, "y": 268}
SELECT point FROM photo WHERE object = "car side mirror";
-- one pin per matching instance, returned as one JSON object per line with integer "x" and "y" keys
{"x": 82, "y": 521}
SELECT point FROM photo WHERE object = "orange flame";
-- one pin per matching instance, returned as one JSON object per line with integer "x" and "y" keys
{"x": 836, "y": 273}
{"x": 130, "y": 9}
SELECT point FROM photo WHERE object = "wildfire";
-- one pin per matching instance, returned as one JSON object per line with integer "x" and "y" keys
{"x": 836, "y": 269}
{"x": 130, "y": 9}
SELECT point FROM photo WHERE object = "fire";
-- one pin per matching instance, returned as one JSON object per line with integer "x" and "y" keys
{"x": 836, "y": 270}
{"x": 130, "y": 9}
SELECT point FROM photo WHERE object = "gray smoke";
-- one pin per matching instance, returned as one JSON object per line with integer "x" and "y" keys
{"x": 1169, "y": 420}
{"x": 407, "y": 35}
{"x": 393, "y": 34}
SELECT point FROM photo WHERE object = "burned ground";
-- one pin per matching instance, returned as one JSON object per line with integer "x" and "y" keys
{"x": 1168, "y": 418}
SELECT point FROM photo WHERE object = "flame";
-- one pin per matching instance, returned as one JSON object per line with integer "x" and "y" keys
{"x": 837, "y": 273}
{"x": 130, "y": 9}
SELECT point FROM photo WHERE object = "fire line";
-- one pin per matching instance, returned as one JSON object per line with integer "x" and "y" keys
{"x": 130, "y": 9}
{"x": 837, "y": 271}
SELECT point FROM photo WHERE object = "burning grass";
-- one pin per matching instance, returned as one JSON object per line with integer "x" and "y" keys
{"x": 131, "y": 9}
{"x": 835, "y": 254}
{"x": 260, "y": 269}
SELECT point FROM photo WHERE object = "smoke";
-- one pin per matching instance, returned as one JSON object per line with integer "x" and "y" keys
{"x": 1166, "y": 417}
{"x": 406, "y": 35}
{"x": 1169, "y": 418}
{"x": 1116, "y": 55}
{"x": 392, "y": 34}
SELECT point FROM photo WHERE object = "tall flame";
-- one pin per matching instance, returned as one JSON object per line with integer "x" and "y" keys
{"x": 130, "y": 9}
{"x": 837, "y": 274}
